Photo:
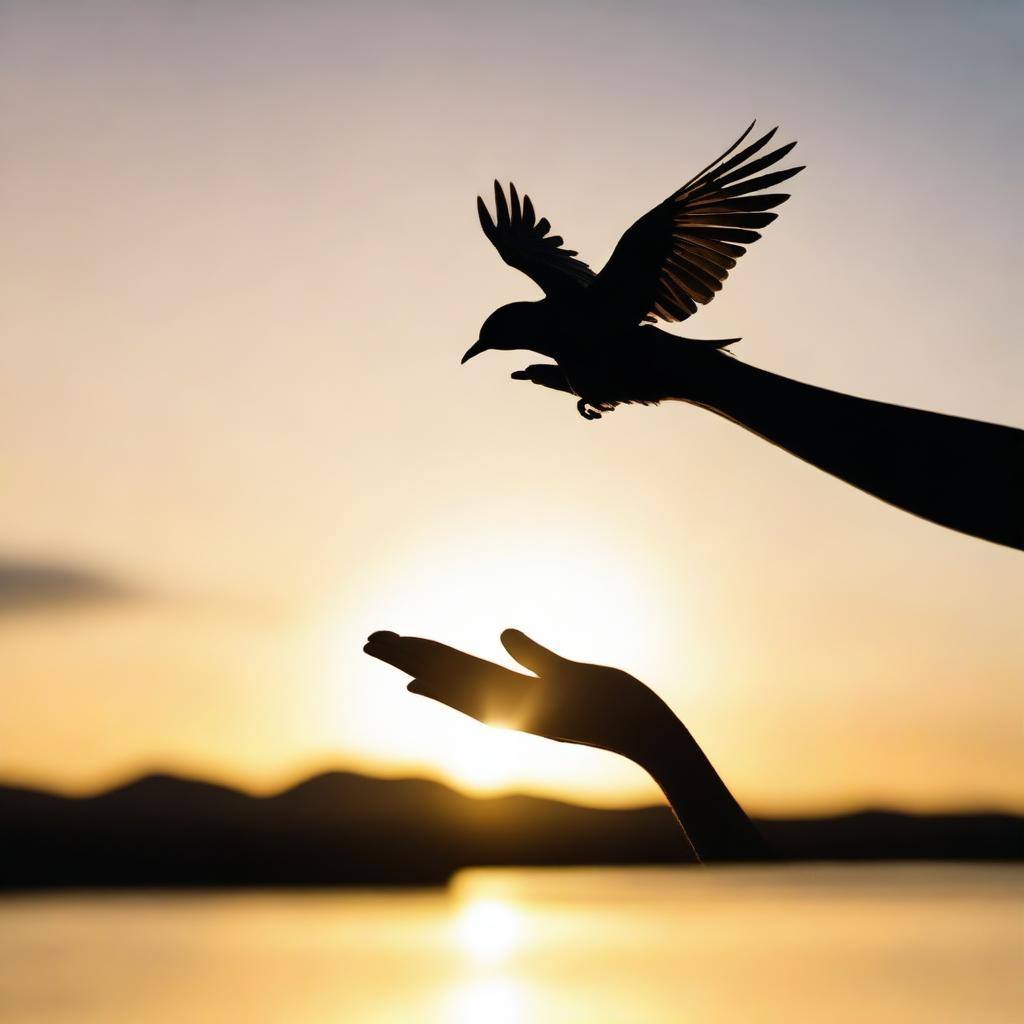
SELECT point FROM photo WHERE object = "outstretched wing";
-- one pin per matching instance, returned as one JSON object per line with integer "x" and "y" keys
{"x": 680, "y": 253}
{"x": 523, "y": 242}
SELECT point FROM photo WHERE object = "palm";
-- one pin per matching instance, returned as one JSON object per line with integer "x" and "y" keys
{"x": 564, "y": 700}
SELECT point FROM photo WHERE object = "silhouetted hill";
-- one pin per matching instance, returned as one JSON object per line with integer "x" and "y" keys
{"x": 346, "y": 829}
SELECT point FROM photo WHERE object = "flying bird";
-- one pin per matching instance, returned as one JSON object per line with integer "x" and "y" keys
{"x": 674, "y": 258}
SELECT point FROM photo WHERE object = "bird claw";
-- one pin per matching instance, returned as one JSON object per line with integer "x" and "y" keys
{"x": 587, "y": 414}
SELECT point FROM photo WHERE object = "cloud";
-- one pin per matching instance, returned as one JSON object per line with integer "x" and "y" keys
{"x": 28, "y": 585}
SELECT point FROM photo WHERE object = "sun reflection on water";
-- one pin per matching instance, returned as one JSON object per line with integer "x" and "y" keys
{"x": 489, "y": 931}
{"x": 495, "y": 1000}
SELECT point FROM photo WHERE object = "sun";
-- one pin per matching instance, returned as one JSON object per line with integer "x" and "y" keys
{"x": 485, "y": 760}
{"x": 585, "y": 595}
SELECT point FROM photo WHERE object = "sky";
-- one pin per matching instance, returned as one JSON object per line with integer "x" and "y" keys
{"x": 241, "y": 264}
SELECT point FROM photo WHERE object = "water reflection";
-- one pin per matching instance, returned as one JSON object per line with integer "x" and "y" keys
{"x": 909, "y": 944}
{"x": 495, "y": 1000}
{"x": 488, "y": 931}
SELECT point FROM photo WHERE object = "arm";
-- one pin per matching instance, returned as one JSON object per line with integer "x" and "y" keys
{"x": 715, "y": 825}
{"x": 957, "y": 472}
{"x": 588, "y": 704}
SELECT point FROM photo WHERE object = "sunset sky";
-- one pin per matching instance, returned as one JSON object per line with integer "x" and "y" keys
{"x": 241, "y": 262}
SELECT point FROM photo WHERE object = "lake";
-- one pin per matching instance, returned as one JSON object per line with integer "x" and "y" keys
{"x": 900, "y": 943}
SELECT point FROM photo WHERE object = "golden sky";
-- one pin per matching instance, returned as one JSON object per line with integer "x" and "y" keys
{"x": 241, "y": 264}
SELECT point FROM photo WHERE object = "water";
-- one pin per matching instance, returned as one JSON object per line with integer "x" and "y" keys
{"x": 893, "y": 943}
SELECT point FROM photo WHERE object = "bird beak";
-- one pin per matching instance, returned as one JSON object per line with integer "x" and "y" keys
{"x": 474, "y": 350}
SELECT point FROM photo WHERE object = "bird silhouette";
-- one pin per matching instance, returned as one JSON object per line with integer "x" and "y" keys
{"x": 674, "y": 258}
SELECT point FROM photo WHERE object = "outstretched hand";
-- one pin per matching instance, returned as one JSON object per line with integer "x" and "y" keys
{"x": 589, "y": 704}
{"x": 563, "y": 700}
{"x": 548, "y": 375}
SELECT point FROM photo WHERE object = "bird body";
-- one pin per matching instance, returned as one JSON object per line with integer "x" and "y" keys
{"x": 601, "y": 363}
{"x": 673, "y": 258}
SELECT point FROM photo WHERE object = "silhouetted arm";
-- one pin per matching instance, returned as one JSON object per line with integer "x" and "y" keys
{"x": 957, "y": 472}
{"x": 716, "y": 826}
{"x": 587, "y": 704}
{"x": 961, "y": 473}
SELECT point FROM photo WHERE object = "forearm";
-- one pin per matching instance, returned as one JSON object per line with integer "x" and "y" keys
{"x": 961, "y": 473}
{"x": 715, "y": 825}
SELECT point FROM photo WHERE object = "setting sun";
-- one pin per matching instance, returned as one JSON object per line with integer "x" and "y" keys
{"x": 588, "y": 596}
{"x": 485, "y": 761}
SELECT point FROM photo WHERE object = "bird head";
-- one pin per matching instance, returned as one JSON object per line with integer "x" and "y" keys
{"x": 507, "y": 328}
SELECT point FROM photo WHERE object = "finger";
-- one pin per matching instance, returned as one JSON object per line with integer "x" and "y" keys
{"x": 391, "y": 654}
{"x": 497, "y": 697}
{"x": 410, "y": 654}
{"x": 531, "y": 654}
{"x": 450, "y": 694}
{"x": 419, "y": 657}
{"x": 546, "y": 374}
{"x": 536, "y": 371}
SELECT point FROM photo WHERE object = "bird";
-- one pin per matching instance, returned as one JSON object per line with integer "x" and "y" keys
{"x": 675, "y": 258}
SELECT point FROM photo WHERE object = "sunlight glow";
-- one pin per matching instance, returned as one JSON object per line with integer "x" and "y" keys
{"x": 494, "y": 1000}
{"x": 488, "y": 931}
{"x": 485, "y": 760}
{"x": 587, "y": 595}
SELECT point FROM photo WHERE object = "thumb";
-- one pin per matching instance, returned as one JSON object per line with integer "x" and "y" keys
{"x": 547, "y": 374}
{"x": 531, "y": 654}
{"x": 423, "y": 688}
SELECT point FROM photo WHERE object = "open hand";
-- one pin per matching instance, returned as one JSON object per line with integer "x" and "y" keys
{"x": 548, "y": 375}
{"x": 563, "y": 700}
{"x": 590, "y": 704}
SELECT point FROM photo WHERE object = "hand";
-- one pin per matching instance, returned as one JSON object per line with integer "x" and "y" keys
{"x": 548, "y": 375}
{"x": 563, "y": 700}
{"x": 650, "y": 367}
{"x": 576, "y": 703}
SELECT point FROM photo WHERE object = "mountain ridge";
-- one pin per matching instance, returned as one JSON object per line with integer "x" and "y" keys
{"x": 343, "y": 828}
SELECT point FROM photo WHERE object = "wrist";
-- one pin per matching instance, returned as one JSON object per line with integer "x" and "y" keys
{"x": 662, "y": 744}
{"x": 686, "y": 371}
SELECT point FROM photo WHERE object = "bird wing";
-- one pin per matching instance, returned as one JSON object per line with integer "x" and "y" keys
{"x": 680, "y": 253}
{"x": 523, "y": 242}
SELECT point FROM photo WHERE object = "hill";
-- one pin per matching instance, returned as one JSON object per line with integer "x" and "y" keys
{"x": 347, "y": 829}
